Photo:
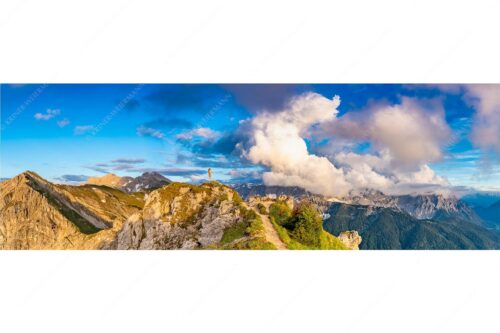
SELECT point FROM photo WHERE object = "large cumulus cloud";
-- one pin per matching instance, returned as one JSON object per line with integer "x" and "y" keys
{"x": 403, "y": 138}
{"x": 277, "y": 141}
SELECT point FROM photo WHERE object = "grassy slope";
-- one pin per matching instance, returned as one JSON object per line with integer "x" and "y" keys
{"x": 248, "y": 234}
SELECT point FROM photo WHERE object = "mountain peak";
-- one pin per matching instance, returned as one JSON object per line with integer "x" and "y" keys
{"x": 25, "y": 177}
{"x": 109, "y": 179}
{"x": 148, "y": 181}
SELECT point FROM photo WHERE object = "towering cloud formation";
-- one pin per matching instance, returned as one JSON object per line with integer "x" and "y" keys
{"x": 277, "y": 141}
{"x": 485, "y": 98}
{"x": 403, "y": 138}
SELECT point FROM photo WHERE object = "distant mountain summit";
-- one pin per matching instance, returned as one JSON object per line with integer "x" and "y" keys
{"x": 250, "y": 190}
{"x": 109, "y": 179}
{"x": 419, "y": 206}
{"x": 146, "y": 182}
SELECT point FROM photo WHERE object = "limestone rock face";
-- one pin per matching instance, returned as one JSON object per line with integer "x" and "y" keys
{"x": 180, "y": 216}
{"x": 36, "y": 214}
{"x": 351, "y": 239}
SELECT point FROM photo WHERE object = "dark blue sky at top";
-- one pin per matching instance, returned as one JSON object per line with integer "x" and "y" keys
{"x": 91, "y": 129}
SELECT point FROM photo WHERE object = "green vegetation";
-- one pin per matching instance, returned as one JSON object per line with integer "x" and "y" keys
{"x": 181, "y": 191}
{"x": 248, "y": 234}
{"x": 133, "y": 199}
{"x": 262, "y": 209}
{"x": 253, "y": 244}
{"x": 302, "y": 229}
{"x": 169, "y": 192}
{"x": 87, "y": 191}
{"x": 305, "y": 225}
{"x": 280, "y": 212}
{"x": 237, "y": 199}
{"x": 234, "y": 232}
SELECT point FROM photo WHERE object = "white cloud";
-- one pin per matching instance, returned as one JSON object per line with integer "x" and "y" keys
{"x": 148, "y": 131}
{"x": 80, "y": 130}
{"x": 277, "y": 142}
{"x": 367, "y": 171}
{"x": 485, "y": 98}
{"x": 413, "y": 132}
{"x": 404, "y": 138}
{"x": 202, "y": 132}
{"x": 51, "y": 113}
{"x": 63, "y": 123}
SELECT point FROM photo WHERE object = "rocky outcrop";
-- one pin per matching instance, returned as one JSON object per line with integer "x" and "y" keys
{"x": 351, "y": 239}
{"x": 181, "y": 216}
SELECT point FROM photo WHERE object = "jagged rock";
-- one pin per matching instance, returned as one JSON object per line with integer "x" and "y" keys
{"x": 420, "y": 206}
{"x": 351, "y": 239}
{"x": 180, "y": 216}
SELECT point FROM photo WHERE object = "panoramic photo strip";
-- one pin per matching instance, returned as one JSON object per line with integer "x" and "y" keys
{"x": 250, "y": 166}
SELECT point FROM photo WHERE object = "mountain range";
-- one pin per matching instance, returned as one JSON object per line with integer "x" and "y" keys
{"x": 152, "y": 212}
{"x": 102, "y": 214}
{"x": 420, "y": 221}
{"x": 388, "y": 228}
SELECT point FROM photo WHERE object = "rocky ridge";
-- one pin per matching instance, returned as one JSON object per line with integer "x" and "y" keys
{"x": 36, "y": 214}
{"x": 180, "y": 216}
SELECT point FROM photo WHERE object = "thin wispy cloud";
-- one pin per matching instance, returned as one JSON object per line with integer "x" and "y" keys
{"x": 72, "y": 178}
{"x": 201, "y": 132}
{"x": 49, "y": 114}
{"x": 129, "y": 160}
{"x": 83, "y": 129}
{"x": 150, "y": 132}
{"x": 63, "y": 123}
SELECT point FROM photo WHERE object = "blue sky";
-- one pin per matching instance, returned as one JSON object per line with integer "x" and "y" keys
{"x": 67, "y": 132}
